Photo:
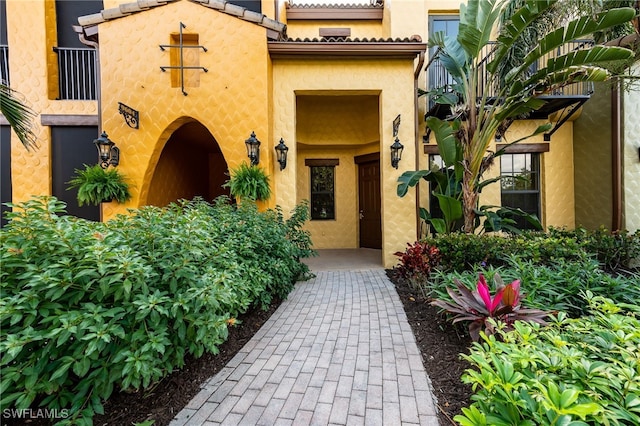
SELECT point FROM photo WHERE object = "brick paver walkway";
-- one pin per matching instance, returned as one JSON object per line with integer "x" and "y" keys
{"x": 338, "y": 351}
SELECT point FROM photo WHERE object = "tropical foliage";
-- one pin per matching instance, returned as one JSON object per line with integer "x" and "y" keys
{"x": 249, "y": 182}
{"x": 484, "y": 101}
{"x": 417, "y": 262}
{"x": 484, "y": 311}
{"x": 19, "y": 116}
{"x": 576, "y": 372}
{"x": 97, "y": 185}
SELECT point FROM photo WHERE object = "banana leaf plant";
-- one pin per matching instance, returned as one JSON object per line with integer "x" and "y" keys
{"x": 479, "y": 111}
{"x": 484, "y": 310}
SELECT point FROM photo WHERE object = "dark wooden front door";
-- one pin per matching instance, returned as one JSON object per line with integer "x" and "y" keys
{"x": 370, "y": 210}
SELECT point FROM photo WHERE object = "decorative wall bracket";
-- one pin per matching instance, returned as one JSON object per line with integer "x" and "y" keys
{"x": 181, "y": 46}
{"x": 131, "y": 116}
{"x": 396, "y": 125}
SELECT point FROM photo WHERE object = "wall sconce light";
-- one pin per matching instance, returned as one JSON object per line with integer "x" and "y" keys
{"x": 253, "y": 149}
{"x": 281, "y": 154}
{"x": 396, "y": 153}
{"x": 108, "y": 153}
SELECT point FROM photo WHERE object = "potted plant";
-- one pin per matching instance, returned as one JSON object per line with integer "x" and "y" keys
{"x": 97, "y": 185}
{"x": 250, "y": 182}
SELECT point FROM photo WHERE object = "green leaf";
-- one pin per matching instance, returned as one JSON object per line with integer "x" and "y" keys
{"x": 512, "y": 29}
{"x": 581, "y": 27}
{"x": 410, "y": 179}
{"x": 445, "y": 137}
{"x": 81, "y": 367}
{"x": 451, "y": 54}
{"x": 568, "y": 397}
{"x": 477, "y": 21}
{"x": 451, "y": 207}
{"x": 439, "y": 225}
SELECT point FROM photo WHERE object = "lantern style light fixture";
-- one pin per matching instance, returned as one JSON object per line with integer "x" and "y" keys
{"x": 281, "y": 154}
{"x": 253, "y": 149}
{"x": 108, "y": 153}
{"x": 396, "y": 153}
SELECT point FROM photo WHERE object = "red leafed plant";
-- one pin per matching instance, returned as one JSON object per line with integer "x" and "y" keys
{"x": 418, "y": 260}
{"x": 478, "y": 306}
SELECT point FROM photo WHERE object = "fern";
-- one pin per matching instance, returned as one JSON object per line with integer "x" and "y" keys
{"x": 97, "y": 185}
{"x": 249, "y": 182}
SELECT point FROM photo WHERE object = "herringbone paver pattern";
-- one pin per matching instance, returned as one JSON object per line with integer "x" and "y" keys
{"x": 338, "y": 351}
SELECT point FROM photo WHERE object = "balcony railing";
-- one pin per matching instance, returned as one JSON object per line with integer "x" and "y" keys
{"x": 77, "y": 74}
{"x": 4, "y": 64}
{"x": 439, "y": 77}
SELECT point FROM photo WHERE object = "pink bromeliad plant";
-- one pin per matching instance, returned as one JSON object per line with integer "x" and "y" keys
{"x": 478, "y": 306}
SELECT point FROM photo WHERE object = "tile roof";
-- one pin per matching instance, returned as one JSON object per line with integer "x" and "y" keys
{"x": 374, "y": 4}
{"x": 219, "y": 5}
{"x": 412, "y": 39}
{"x": 343, "y": 47}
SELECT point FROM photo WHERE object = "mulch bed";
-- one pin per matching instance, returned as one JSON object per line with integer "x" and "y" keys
{"x": 441, "y": 344}
{"x": 438, "y": 340}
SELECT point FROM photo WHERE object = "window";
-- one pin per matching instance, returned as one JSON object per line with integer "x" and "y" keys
{"x": 322, "y": 193}
{"x": 520, "y": 184}
{"x": 322, "y": 188}
{"x": 437, "y": 75}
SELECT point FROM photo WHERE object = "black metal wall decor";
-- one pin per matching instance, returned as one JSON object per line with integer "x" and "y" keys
{"x": 181, "y": 46}
{"x": 131, "y": 116}
{"x": 396, "y": 125}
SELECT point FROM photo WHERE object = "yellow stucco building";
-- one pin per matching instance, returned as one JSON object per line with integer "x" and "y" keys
{"x": 179, "y": 85}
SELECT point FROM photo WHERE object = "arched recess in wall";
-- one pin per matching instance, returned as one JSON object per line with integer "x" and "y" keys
{"x": 191, "y": 164}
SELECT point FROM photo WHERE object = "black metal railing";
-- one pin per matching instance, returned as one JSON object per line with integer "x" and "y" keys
{"x": 4, "y": 64}
{"x": 439, "y": 77}
{"x": 77, "y": 73}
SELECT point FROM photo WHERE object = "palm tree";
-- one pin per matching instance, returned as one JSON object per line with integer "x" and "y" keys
{"x": 19, "y": 116}
{"x": 481, "y": 107}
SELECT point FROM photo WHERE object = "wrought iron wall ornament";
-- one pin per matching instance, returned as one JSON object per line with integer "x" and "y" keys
{"x": 396, "y": 125}
{"x": 181, "y": 67}
{"x": 131, "y": 116}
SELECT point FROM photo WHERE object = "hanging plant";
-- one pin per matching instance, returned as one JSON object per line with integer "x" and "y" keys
{"x": 97, "y": 185}
{"x": 250, "y": 182}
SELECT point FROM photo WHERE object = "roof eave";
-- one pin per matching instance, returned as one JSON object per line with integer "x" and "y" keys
{"x": 301, "y": 50}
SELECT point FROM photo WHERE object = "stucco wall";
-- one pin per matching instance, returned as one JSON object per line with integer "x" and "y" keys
{"x": 391, "y": 80}
{"x": 31, "y": 36}
{"x": 359, "y": 29}
{"x": 232, "y": 99}
{"x": 592, "y": 155}
{"x": 631, "y": 156}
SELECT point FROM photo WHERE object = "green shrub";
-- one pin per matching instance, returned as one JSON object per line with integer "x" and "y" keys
{"x": 88, "y": 307}
{"x": 468, "y": 251}
{"x": 464, "y": 251}
{"x": 574, "y": 372}
{"x": 612, "y": 249}
{"x": 557, "y": 287}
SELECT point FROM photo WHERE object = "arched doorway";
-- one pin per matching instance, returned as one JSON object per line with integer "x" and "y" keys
{"x": 191, "y": 164}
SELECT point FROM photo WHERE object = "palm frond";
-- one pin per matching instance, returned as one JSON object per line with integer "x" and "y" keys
{"x": 19, "y": 116}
